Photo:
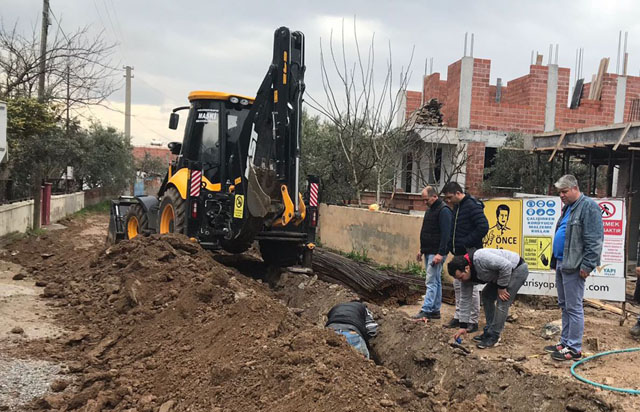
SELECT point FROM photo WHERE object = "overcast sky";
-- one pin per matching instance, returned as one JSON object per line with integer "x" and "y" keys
{"x": 176, "y": 47}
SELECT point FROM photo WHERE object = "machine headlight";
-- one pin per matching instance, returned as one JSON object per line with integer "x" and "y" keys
{"x": 244, "y": 102}
{"x": 234, "y": 100}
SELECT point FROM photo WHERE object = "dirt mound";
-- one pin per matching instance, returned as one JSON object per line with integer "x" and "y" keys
{"x": 159, "y": 325}
{"x": 164, "y": 326}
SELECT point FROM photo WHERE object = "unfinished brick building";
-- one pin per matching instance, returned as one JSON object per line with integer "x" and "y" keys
{"x": 480, "y": 115}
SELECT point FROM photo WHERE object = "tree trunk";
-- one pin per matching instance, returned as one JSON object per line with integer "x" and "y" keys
{"x": 378, "y": 185}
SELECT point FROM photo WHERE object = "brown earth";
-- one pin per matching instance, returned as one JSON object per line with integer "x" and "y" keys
{"x": 158, "y": 324}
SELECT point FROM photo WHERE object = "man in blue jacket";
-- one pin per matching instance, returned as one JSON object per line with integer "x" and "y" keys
{"x": 434, "y": 246}
{"x": 468, "y": 227}
{"x": 577, "y": 246}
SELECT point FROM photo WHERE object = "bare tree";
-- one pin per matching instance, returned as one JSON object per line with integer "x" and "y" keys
{"x": 362, "y": 111}
{"x": 79, "y": 71}
{"x": 445, "y": 158}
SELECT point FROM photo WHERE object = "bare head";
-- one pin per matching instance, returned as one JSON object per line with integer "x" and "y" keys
{"x": 568, "y": 189}
{"x": 453, "y": 193}
{"x": 429, "y": 195}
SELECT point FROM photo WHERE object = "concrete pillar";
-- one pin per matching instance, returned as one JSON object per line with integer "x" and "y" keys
{"x": 466, "y": 83}
{"x": 402, "y": 110}
{"x": 414, "y": 177}
{"x": 552, "y": 92}
{"x": 621, "y": 93}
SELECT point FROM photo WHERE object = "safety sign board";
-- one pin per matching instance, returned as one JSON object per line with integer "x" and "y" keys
{"x": 536, "y": 251}
{"x": 238, "y": 206}
{"x": 505, "y": 224}
{"x": 540, "y": 216}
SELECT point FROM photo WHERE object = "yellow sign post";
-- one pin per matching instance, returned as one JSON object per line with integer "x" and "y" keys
{"x": 238, "y": 208}
{"x": 505, "y": 224}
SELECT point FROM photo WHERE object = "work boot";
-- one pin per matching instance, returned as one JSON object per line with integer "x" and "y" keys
{"x": 488, "y": 342}
{"x": 472, "y": 327}
{"x": 635, "y": 330}
{"x": 453, "y": 323}
{"x": 421, "y": 315}
{"x": 479, "y": 338}
{"x": 433, "y": 315}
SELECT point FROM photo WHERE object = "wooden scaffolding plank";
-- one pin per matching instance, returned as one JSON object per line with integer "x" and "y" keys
{"x": 560, "y": 139}
{"x": 622, "y": 136}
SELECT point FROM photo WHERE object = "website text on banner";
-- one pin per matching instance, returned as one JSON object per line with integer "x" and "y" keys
{"x": 538, "y": 227}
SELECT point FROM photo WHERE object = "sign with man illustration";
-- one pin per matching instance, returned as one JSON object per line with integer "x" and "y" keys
{"x": 505, "y": 224}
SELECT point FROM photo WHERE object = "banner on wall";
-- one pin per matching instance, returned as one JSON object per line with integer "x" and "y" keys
{"x": 505, "y": 224}
{"x": 540, "y": 216}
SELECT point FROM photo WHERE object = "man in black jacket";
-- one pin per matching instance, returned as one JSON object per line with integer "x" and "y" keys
{"x": 469, "y": 227}
{"x": 355, "y": 322}
{"x": 434, "y": 246}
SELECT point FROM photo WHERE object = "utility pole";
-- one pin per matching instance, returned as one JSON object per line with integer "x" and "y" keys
{"x": 36, "y": 184}
{"x": 43, "y": 49}
{"x": 127, "y": 103}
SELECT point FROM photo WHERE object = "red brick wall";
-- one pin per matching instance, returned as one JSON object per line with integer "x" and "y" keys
{"x": 475, "y": 168}
{"x": 633, "y": 92}
{"x": 414, "y": 100}
{"x": 452, "y": 99}
{"x": 435, "y": 88}
{"x": 522, "y": 107}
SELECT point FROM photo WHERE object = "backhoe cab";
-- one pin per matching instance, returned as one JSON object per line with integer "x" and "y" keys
{"x": 236, "y": 175}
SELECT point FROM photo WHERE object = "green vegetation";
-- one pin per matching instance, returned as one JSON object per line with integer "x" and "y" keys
{"x": 415, "y": 269}
{"x": 102, "y": 207}
{"x": 358, "y": 255}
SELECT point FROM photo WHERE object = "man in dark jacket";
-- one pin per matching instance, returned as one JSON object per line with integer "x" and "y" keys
{"x": 355, "y": 322}
{"x": 434, "y": 246}
{"x": 469, "y": 227}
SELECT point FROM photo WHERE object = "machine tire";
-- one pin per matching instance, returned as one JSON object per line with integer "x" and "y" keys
{"x": 136, "y": 222}
{"x": 280, "y": 254}
{"x": 173, "y": 213}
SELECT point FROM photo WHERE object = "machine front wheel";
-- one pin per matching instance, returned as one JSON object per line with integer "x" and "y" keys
{"x": 173, "y": 213}
{"x": 136, "y": 221}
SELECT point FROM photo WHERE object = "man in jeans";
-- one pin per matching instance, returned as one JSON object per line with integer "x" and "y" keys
{"x": 434, "y": 239}
{"x": 577, "y": 246}
{"x": 504, "y": 272}
{"x": 468, "y": 227}
{"x": 355, "y": 322}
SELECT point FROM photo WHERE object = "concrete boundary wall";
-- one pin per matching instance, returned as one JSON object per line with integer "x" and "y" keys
{"x": 387, "y": 238}
{"x": 17, "y": 217}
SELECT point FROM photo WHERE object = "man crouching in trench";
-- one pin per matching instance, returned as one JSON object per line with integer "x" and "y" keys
{"x": 504, "y": 272}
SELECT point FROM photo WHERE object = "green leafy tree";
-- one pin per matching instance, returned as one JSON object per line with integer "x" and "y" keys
{"x": 517, "y": 169}
{"x": 151, "y": 165}
{"x": 37, "y": 145}
{"x": 108, "y": 159}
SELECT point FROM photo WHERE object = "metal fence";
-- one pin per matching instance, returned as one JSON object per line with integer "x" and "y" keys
{"x": 12, "y": 191}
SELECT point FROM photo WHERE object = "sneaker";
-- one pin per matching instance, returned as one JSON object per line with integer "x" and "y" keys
{"x": 433, "y": 315}
{"x": 473, "y": 327}
{"x": 480, "y": 337}
{"x": 635, "y": 330}
{"x": 453, "y": 323}
{"x": 488, "y": 342}
{"x": 554, "y": 348}
{"x": 566, "y": 353}
{"x": 421, "y": 315}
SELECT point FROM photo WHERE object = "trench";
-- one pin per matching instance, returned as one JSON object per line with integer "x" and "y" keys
{"x": 422, "y": 358}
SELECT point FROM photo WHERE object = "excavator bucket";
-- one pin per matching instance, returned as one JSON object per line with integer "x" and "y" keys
{"x": 258, "y": 202}
{"x": 119, "y": 208}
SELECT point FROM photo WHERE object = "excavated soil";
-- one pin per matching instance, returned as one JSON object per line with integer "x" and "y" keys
{"x": 158, "y": 324}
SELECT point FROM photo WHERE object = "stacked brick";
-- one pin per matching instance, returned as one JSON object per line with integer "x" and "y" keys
{"x": 523, "y": 101}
